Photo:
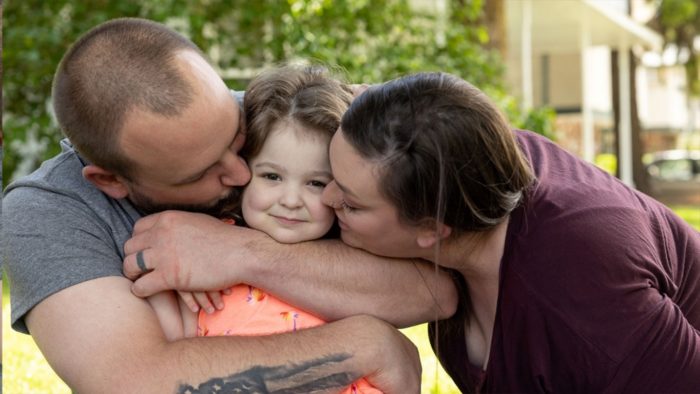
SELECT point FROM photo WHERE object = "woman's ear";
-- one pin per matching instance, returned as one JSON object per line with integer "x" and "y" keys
{"x": 109, "y": 183}
{"x": 431, "y": 232}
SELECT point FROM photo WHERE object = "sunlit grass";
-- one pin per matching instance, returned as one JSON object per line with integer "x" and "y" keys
{"x": 24, "y": 368}
{"x": 689, "y": 213}
{"x": 435, "y": 379}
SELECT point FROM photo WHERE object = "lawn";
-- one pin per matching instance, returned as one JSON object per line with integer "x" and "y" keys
{"x": 26, "y": 371}
{"x": 689, "y": 213}
{"x": 24, "y": 368}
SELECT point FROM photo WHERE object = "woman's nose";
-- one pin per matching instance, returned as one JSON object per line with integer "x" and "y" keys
{"x": 331, "y": 195}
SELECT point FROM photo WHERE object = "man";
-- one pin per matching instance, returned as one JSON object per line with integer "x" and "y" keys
{"x": 152, "y": 127}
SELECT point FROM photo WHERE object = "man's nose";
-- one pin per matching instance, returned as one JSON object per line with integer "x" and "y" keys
{"x": 235, "y": 170}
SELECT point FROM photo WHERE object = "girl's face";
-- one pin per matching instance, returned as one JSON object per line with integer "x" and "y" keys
{"x": 367, "y": 220}
{"x": 283, "y": 198}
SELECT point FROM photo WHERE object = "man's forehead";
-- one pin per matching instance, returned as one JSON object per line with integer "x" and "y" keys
{"x": 177, "y": 148}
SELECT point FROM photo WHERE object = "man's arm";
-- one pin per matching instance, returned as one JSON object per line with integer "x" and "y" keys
{"x": 113, "y": 343}
{"x": 196, "y": 252}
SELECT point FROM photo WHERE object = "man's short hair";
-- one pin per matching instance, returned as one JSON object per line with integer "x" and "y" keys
{"x": 117, "y": 66}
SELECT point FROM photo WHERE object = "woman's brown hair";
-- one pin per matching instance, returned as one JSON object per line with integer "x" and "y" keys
{"x": 444, "y": 149}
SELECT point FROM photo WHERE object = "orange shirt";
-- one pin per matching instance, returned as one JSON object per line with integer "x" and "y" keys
{"x": 250, "y": 311}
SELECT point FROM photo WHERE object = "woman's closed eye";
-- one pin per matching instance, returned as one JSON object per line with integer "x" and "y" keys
{"x": 346, "y": 207}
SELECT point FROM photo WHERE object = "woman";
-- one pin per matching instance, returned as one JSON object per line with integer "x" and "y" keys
{"x": 570, "y": 280}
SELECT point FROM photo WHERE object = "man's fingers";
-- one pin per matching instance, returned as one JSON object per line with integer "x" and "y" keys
{"x": 145, "y": 223}
{"x": 139, "y": 236}
{"x": 131, "y": 267}
{"x": 135, "y": 243}
{"x": 148, "y": 285}
{"x": 138, "y": 263}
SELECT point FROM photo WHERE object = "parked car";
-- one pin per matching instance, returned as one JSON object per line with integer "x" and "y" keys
{"x": 674, "y": 177}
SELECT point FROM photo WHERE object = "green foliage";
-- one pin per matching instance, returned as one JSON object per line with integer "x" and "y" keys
{"x": 540, "y": 120}
{"x": 679, "y": 22}
{"x": 369, "y": 41}
{"x": 36, "y": 35}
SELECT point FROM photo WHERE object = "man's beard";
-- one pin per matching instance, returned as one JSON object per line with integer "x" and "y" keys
{"x": 226, "y": 207}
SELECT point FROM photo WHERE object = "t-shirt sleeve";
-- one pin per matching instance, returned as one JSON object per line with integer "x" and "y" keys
{"x": 50, "y": 242}
{"x": 238, "y": 95}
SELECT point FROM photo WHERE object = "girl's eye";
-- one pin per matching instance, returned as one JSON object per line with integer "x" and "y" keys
{"x": 271, "y": 176}
{"x": 346, "y": 207}
{"x": 317, "y": 184}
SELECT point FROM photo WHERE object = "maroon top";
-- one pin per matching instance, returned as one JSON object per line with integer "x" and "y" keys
{"x": 599, "y": 290}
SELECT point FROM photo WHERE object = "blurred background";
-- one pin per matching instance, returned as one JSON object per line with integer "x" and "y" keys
{"x": 616, "y": 82}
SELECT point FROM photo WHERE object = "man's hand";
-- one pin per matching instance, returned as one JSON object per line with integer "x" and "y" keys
{"x": 399, "y": 364}
{"x": 194, "y": 252}
{"x": 70, "y": 328}
{"x": 188, "y": 251}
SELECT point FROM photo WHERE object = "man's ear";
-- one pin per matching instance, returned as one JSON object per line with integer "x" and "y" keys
{"x": 431, "y": 232}
{"x": 109, "y": 183}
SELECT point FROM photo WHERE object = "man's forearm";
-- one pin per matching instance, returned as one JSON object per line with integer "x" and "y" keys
{"x": 335, "y": 281}
{"x": 302, "y": 362}
{"x": 113, "y": 343}
{"x": 187, "y": 251}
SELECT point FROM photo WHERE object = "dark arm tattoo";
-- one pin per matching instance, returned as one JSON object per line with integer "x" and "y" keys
{"x": 308, "y": 377}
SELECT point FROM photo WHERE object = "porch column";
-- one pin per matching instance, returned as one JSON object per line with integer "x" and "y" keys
{"x": 526, "y": 55}
{"x": 587, "y": 130}
{"x": 624, "y": 161}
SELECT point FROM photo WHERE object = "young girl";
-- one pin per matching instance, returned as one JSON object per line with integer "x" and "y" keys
{"x": 291, "y": 115}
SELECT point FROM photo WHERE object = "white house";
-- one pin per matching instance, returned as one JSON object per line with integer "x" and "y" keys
{"x": 559, "y": 54}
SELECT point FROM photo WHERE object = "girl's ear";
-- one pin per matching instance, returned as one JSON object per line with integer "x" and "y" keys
{"x": 432, "y": 232}
{"x": 109, "y": 183}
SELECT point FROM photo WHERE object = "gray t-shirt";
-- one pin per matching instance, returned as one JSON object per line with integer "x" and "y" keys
{"x": 60, "y": 230}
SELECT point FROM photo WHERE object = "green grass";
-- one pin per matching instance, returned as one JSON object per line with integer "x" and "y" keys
{"x": 434, "y": 380}
{"x": 25, "y": 371}
{"x": 607, "y": 162}
{"x": 689, "y": 213}
{"x": 24, "y": 368}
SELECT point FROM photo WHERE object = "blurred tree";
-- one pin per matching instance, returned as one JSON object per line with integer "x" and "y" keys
{"x": 679, "y": 23}
{"x": 36, "y": 35}
{"x": 369, "y": 41}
